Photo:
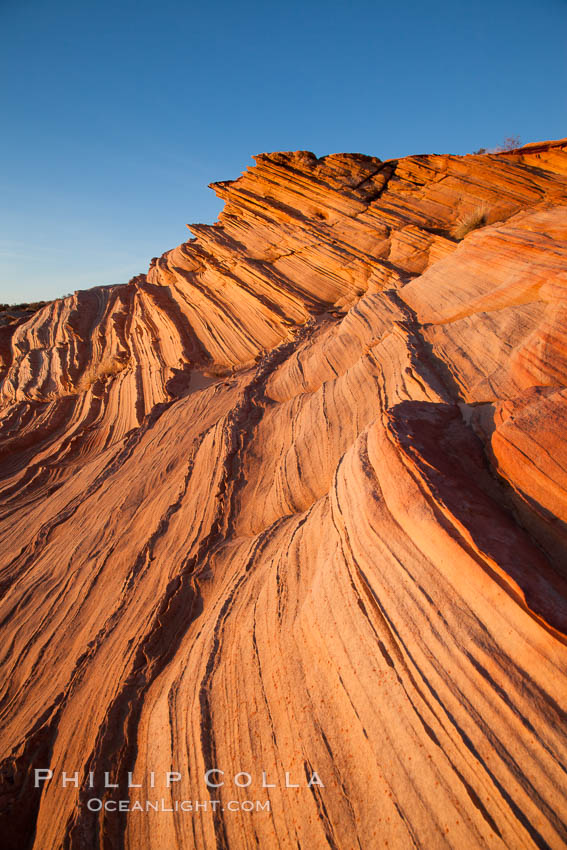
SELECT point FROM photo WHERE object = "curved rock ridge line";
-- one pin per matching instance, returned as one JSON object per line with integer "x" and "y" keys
{"x": 294, "y": 504}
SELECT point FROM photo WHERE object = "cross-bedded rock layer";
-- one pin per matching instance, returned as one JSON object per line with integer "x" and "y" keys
{"x": 296, "y": 501}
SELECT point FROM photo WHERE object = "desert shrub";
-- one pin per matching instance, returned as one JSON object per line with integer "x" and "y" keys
{"x": 217, "y": 370}
{"x": 107, "y": 368}
{"x": 31, "y": 307}
{"x": 471, "y": 220}
{"x": 510, "y": 143}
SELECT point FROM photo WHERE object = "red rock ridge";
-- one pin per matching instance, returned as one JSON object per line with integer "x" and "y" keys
{"x": 296, "y": 501}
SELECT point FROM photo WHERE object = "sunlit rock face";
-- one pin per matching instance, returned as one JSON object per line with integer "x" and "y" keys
{"x": 293, "y": 505}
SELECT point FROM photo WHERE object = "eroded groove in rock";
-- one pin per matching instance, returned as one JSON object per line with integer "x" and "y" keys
{"x": 295, "y": 502}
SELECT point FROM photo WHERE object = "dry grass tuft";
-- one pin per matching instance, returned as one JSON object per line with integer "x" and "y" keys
{"x": 107, "y": 368}
{"x": 217, "y": 370}
{"x": 470, "y": 221}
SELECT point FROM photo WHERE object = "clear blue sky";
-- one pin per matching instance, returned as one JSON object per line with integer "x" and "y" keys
{"x": 116, "y": 114}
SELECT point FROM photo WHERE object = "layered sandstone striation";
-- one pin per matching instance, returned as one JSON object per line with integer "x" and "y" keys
{"x": 295, "y": 501}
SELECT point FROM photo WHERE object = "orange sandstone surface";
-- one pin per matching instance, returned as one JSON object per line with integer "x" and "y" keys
{"x": 294, "y": 503}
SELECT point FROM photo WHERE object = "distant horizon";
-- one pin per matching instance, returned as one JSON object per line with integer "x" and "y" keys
{"x": 119, "y": 115}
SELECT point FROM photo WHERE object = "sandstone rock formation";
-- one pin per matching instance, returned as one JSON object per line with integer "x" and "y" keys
{"x": 295, "y": 502}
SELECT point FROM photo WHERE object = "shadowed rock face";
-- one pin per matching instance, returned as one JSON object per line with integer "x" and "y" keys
{"x": 295, "y": 501}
